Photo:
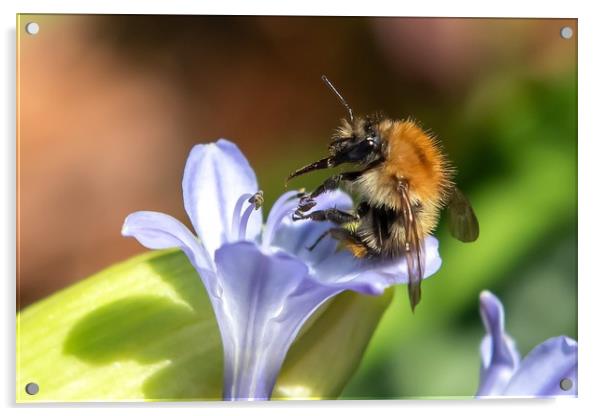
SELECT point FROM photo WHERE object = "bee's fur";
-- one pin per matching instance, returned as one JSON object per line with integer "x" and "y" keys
{"x": 402, "y": 180}
{"x": 412, "y": 155}
{"x": 405, "y": 153}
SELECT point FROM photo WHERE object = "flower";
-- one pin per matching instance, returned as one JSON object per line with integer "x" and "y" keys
{"x": 262, "y": 282}
{"x": 550, "y": 369}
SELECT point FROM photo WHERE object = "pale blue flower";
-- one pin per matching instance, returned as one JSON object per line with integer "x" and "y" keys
{"x": 539, "y": 374}
{"x": 262, "y": 281}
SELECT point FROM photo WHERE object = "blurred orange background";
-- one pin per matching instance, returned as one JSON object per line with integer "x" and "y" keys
{"x": 109, "y": 107}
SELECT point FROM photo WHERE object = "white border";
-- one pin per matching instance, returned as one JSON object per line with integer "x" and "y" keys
{"x": 512, "y": 8}
{"x": 590, "y": 151}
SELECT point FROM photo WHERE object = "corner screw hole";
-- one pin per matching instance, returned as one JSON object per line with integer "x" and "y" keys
{"x": 566, "y": 384}
{"x": 32, "y": 28}
{"x": 566, "y": 32}
{"x": 32, "y": 389}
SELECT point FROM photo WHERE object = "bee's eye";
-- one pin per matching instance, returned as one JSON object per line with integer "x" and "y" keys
{"x": 373, "y": 141}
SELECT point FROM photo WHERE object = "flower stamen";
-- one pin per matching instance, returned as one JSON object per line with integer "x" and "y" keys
{"x": 255, "y": 201}
{"x": 235, "y": 227}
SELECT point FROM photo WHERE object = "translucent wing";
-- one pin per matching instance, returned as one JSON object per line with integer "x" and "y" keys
{"x": 414, "y": 246}
{"x": 462, "y": 220}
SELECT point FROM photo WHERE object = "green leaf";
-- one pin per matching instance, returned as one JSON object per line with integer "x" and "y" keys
{"x": 144, "y": 330}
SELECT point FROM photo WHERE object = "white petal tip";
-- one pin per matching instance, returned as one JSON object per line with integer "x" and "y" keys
{"x": 486, "y": 296}
{"x": 125, "y": 230}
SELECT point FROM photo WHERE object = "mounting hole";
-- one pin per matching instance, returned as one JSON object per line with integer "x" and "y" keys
{"x": 32, "y": 28}
{"x": 32, "y": 389}
{"x": 566, "y": 384}
{"x": 566, "y": 32}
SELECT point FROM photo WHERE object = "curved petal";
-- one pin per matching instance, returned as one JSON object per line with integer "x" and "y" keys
{"x": 499, "y": 356}
{"x": 265, "y": 298}
{"x": 156, "y": 230}
{"x": 372, "y": 277}
{"x": 542, "y": 370}
{"x": 215, "y": 176}
{"x": 339, "y": 267}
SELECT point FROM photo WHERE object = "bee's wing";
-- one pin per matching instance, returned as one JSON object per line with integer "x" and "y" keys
{"x": 414, "y": 246}
{"x": 462, "y": 220}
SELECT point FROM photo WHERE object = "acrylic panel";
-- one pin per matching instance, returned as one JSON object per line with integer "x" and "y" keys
{"x": 272, "y": 208}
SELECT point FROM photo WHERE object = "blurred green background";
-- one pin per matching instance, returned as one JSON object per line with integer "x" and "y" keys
{"x": 111, "y": 105}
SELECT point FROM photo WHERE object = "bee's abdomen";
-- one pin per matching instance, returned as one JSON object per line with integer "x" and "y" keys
{"x": 381, "y": 232}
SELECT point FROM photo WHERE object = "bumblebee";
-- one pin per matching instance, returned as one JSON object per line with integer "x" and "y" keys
{"x": 402, "y": 180}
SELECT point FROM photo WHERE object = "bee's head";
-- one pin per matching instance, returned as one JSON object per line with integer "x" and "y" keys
{"x": 357, "y": 140}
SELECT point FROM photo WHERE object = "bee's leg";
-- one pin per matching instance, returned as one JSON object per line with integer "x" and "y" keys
{"x": 320, "y": 238}
{"x": 348, "y": 239}
{"x": 331, "y": 214}
{"x": 307, "y": 202}
{"x": 333, "y": 182}
{"x": 340, "y": 234}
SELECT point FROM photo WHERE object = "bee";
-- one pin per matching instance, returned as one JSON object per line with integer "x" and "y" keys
{"x": 402, "y": 180}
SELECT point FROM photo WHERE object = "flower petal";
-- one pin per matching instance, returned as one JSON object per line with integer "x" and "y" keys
{"x": 541, "y": 372}
{"x": 156, "y": 230}
{"x": 373, "y": 276}
{"x": 265, "y": 298}
{"x": 215, "y": 177}
{"x": 340, "y": 267}
{"x": 499, "y": 356}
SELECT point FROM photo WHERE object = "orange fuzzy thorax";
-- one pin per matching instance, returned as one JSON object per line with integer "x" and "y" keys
{"x": 415, "y": 156}
{"x": 410, "y": 155}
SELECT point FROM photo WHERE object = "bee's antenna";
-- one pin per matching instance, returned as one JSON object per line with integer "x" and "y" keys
{"x": 329, "y": 85}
